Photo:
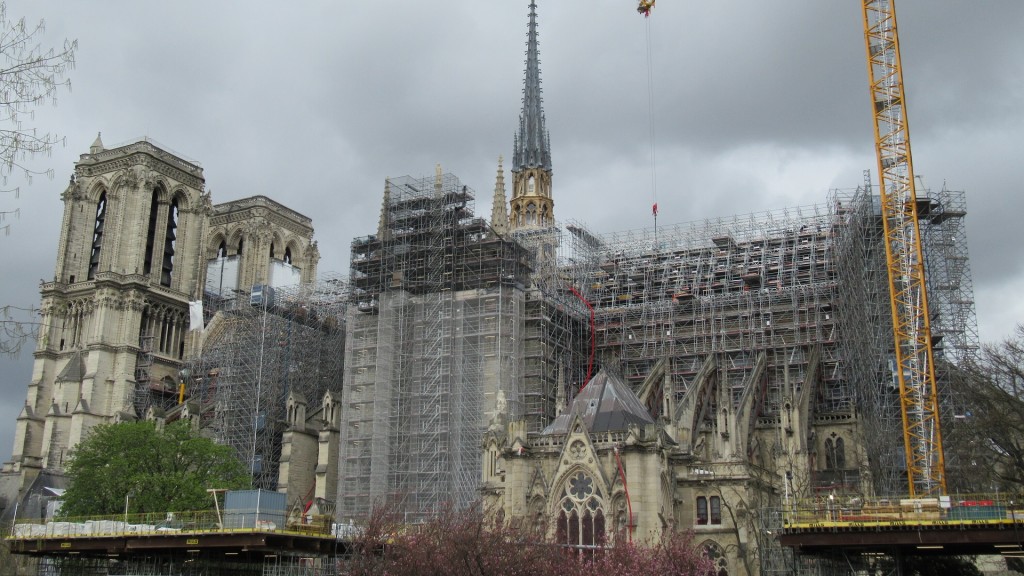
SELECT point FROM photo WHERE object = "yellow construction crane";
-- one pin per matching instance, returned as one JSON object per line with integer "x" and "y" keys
{"x": 922, "y": 437}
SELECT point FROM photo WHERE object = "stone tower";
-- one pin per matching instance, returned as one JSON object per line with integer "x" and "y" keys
{"x": 140, "y": 240}
{"x": 115, "y": 316}
{"x": 257, "y": 240}
{"x": 531, "y": 205}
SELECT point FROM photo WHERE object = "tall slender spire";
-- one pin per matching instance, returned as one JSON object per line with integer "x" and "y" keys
{"x": 532, "y": 205}
{"x": 384, "y": 225}
{"x": 499, "y": 216}
{"x": 531, "y": 144}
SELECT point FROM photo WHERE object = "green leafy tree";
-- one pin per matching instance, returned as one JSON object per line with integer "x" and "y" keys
{"x": 148, "y": 469}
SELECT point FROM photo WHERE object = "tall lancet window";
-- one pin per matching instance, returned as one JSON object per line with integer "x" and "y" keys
{"x": 580, "y": 520}
{"x": 531, "y": 214}
{"x": 531, "y": 186}
{"x": 97, "y": 236}
{"x": 222, "y": 250}
{"x": 154, "y": 207}
{"x": 288, "y": 255}
{"x": 169, "y": 242}
{"x": 835, "y": 453}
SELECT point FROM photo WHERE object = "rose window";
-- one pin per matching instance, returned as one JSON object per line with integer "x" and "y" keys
{"x": 581, "y": 486}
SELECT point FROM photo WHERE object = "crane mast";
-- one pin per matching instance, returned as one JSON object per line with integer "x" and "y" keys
{"x": 922, "y": 438}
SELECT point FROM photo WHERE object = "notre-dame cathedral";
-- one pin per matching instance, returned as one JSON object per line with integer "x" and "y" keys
{"x": 593, "y": 385}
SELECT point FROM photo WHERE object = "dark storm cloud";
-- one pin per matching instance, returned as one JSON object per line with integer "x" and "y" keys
{"x": 757, "y": 106}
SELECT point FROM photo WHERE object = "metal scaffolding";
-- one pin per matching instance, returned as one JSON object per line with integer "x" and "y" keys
{"x": 867, "y": 344}
{"x": 803, "y": 288}
{"x": 557, "y": 338}
{"x": 431, "y": 302}
{"x": 450, "y": 323}
{"x": 738, "y": 289}
{"x": 189, "y": 563}
{"x": 259, "y": 347}
{"x": 447, "y": 332}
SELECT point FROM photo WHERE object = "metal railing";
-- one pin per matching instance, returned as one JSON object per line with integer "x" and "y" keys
{"x": 835, "y": 511}
{"x": 170, "y": 524}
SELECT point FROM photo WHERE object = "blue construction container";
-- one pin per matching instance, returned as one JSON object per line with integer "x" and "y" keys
{"x": 987, "y": 512}
{"x": 255, "y": 509}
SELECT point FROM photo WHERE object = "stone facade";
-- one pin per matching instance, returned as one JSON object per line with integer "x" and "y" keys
{"x": 606, "y": 471}
{"x": 139, "y": 234}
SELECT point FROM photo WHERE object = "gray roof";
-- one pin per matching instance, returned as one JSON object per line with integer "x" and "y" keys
{"x": 74, "y": 370}
{"x": 606, "y": 404}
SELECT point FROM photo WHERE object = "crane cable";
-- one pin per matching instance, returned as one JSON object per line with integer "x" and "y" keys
{"x": 650, "y": 117}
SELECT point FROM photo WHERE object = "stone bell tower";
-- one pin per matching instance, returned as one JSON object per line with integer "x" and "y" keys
{"x": 115, "y": 316}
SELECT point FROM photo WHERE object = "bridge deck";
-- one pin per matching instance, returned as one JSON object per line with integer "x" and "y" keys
{"x": 943, "y": 525}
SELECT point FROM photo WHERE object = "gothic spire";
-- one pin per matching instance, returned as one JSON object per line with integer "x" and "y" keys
{"x": 384, "y": 225}
{"x": 499, "y": 216}
{"x": 97, "y": 145}
{"x": 531, "y": 143}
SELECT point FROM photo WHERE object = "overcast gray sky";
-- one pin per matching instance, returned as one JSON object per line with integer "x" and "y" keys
{"x": 758, "y": 105}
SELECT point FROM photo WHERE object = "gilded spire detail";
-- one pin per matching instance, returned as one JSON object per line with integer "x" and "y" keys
{"x": 531, "y": 205}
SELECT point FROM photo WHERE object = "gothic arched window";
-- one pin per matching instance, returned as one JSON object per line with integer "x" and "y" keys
{"x": 581, "y": 519}
{"x": 531, "y": 214}
{"x": 835, "y": 453}
{"x": 287, "y": 255}
{"x": 97, "y": 236}
{"x": 222, "y": 250}
{"x": 717, "y": 556}
{"x": 154, "y": 206}
{"x": 169, "y": 241}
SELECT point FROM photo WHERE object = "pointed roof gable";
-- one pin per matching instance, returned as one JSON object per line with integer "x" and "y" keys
{"x": 97, "y": 145}
{"x": 74, "y": 370}
{"x": 606, "y": 404}
{"x": 532, "y": 147}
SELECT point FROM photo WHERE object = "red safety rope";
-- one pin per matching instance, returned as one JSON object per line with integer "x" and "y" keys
{"x": 593, "y": 335}
{"x": 629, "y": 505}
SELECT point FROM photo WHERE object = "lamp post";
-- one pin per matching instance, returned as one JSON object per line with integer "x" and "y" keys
{"x": 789, "y": 478}
{"x": 127, "y": 495}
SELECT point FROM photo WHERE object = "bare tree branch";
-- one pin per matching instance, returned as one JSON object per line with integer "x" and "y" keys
{"x": 989, "y": 437}
{"x": 31, "y": 75}
{"x": 18, "y": 326}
